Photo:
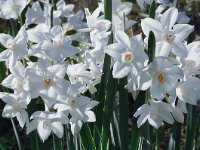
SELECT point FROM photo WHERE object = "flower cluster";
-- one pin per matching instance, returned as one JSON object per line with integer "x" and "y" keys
{"x": 58, "y": 55}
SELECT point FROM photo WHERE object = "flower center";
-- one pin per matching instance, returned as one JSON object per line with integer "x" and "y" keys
{"x": 127, "y": 57}
{"x": 10, "y": 43}
{"x": 161, "y": 78}
{"x": 169, "y": 37}
{"x": 16, "y": 83}
{"x": 47, "y": 82}
{"x": 57, "y": 44}
{"x": 46, "y": 124}
{"x": 72, "y": 102}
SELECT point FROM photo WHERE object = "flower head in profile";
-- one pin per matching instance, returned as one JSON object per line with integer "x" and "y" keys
{"x": 156, "y": 112}
{"x": 15, "y": 107}
{"x": 16, "y": 47}
{"x": 47, "y": 122}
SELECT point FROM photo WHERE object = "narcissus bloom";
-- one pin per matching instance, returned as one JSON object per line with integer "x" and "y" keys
{"x": 128, "y": 54}
{"x": 169, "y": 36}
{"x": 47, "y": 122}
{"x": 164, "y": 77}
{"x": 156, "y": 113}
{"x": 16, "y": 47}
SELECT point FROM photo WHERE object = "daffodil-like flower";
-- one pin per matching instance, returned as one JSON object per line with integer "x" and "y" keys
{"x": 16, "y": 47}
{"x": 46, "y": 80}
{"x": 169, "y": 36}
{"x": 17, "y": 81}
{"x": 156, "y": 113}
{"x": 11, "y": 8}
{"x": 128, "y": 54}
{"x": 164, "y": 77}
{"x": 79, "y": 107}
{"x": 47, "y": 122}
{"x": 15, "y": 107}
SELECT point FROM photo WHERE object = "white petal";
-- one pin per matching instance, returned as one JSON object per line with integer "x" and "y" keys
{"x": 122, "y": 38}
{"x": 120, "y": 70}
{"x": 115, "y": 50}
{"x": 169, "y": 18}
{"x": 149, "y": 24}
{"x": 182, "y": 31}
{"x": 43, "y": 132}
{"x": 91, "y": 116}
{"x": 57, "y": 128}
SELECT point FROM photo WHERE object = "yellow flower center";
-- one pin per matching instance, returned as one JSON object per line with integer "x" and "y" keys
{"x": 127, "y": 57}
{"x": 72, "y": 102}
{"x": 169, "y": 37}
{"x": 47, "y": 82}
{"x": 161, "y": 78}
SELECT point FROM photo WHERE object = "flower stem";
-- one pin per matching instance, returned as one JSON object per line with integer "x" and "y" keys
{"x": 16, "y": 134}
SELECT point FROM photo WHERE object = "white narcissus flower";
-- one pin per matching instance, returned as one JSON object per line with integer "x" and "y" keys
{"x": 164, "y": 77}
{"x": 156, "y": 112}
{"x": 128, "y": 55}
{"x": 35, "y": 14}
{"x": 15, "y": 107}
{"x": 46, "y": 80}
{"x": 66, "y": 9}
{"x": 169, "y": 37}
{"x": 52, "y": 43}
{"x": 47, "y": 122}
{"x": 11, "y": 8}
{"x": 80, "y": 75}
{"x": 16, "y": 48}
{"x": 188, "y": 91}
{"x": 17, "y": 81}
{"x": 191, "y": 64}
{"x": 119, "y": 12}
{"x": 79, "y": 107}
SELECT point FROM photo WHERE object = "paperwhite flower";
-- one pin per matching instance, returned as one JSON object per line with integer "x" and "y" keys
{"x": 188, "y": 91}
{"x": 35, "y": 14}
{"x": 52, "y": 41}
{"x": 46, "y": 80}
{"x": 191, "y": 64}
{"x": 164, "y": 77}
{"x": 47, "y": 122}
{"x": 16, "y": 48}
{"x": 78, "y": 106}
{"x": 169, "y": 37}
{"x": 120, "y": 10}
{"x": 15, "y": 107}
{"x": 11, "y": 8}
{"x": 80, "y": 75}
{"x": 156, "y": 112}
{"x": 17, "y": 81}
{"x": 128, "y": 53}
{"x": 66, "y": 9}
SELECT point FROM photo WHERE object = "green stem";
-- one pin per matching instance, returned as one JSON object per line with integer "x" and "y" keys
{"x": 57, "y": 143}
{"x": 16, "y": 134}
{"x": 123, "y": 113}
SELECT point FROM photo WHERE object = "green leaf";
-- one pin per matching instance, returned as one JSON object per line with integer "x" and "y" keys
{"x": 191, "y": 116}
{"x": 86, "y": 137}
{"x": 152, "y": 10}
{"x": 151, "y": 46}
{"x": 175, "y": 138}
{"x": 57, "y": 143}
{"x": 108, "y": 110}
{"x": 123, "y": 113}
